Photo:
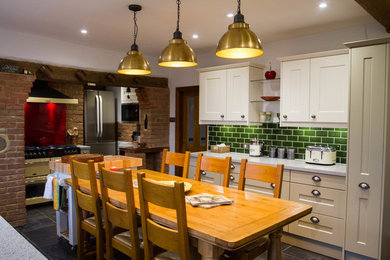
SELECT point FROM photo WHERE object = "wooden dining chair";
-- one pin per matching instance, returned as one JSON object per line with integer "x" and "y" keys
{"x": 262, "y": 173}
{"x": 177, "y": 159}
{"x": 173, "y": 240}
{"x": 119, "y": 217}
{"x": 87, "y": 204}
{"x": 216, "y": 165}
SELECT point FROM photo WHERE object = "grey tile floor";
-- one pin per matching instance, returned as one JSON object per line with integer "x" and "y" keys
{"x": 40, "y": 230}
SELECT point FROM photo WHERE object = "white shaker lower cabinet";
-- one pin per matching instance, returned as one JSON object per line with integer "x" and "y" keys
{"x": 368, "y": 199}
{"x": 314, "y": 89}
{"x": 326, "y": 194}
{"x": 225, "y": 91}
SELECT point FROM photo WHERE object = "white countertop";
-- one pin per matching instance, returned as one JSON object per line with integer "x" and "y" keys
{"x": 14, "y": 246}
{"x": 298, "y": 165}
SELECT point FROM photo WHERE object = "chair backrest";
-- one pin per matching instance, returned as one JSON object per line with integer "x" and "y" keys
{"x": 177, "y": 159}
{"x": 263, "y": 173}
{"x": 115, "y": 215}
{"x": 175, "y": 240}
{"x": 216, "y": 165}
{"x": 85, "y": 201}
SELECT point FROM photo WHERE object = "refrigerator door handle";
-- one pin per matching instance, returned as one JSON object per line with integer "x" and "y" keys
{"x": 101, "y": 116}
{"x": 97, "y": 116}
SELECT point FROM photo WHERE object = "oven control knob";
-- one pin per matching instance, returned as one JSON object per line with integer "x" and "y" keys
{"x": 44, "y": 154}
{"x": 39, "y": 154}
{"x": 75, "y": 151}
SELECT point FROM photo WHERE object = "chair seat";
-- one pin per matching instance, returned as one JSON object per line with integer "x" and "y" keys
{"x": 167, "y": 255}
{"x": 124, "y": 238}
{"x": 90, "y": 221}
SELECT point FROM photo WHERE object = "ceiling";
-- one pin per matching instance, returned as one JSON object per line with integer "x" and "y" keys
{"x": 110, "y": 25}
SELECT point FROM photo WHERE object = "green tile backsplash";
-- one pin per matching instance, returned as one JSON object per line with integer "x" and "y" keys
{"x": 274, "y": 135}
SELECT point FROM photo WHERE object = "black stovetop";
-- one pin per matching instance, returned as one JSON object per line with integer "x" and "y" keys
{"x": 33, "y": 152}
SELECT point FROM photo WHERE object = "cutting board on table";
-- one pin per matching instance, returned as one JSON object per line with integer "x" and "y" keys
{"x": 82, "y": 157}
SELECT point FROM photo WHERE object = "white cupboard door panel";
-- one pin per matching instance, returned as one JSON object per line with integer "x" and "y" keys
{"x": 237, "y": 94}
{"x": 294, "y": 91}
{"x": 329, "y": 89}
{"x": 366, "y": 146}
{"x": 212, "y": 95}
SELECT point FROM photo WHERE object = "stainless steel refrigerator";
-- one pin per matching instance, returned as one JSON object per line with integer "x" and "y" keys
{"x": 99, "y": 121}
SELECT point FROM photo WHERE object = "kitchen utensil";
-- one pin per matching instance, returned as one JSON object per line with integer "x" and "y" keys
{"x": 320, "y": 155}
{"x": 281, "y": 152}
{"x": 256, "y": 148}
{"x": 272, "y": 152}
{"x": 270, "y": 98}
{"x": 291, "y": 153}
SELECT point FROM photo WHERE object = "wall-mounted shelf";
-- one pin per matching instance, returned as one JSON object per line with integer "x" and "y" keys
{"x": 254, "y": 101}
{"x": 266, "y": 80}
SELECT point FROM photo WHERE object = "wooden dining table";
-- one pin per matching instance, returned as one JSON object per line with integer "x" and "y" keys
{"x": 227, "y": 227}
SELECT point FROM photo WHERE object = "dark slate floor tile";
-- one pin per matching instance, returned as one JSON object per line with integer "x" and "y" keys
{"x": 49, "y": 212}
{"x": 303, "y": 254}
{"x": 60, "y": 250}
{"x": 43, "y": 237}
{"x": 36, "y": 220}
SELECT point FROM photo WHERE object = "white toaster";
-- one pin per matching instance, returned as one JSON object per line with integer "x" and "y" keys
{"x": 320, "y": 155}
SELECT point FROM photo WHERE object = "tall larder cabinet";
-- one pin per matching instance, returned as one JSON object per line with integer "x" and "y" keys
{"x": 368, "y": 179}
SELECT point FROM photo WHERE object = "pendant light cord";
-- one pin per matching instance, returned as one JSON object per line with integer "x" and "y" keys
{"x": 239, "y": 6}
{"x": 135, "y": 28}
{"x": 239, "y": 18}
{"x": 177, "y": 34}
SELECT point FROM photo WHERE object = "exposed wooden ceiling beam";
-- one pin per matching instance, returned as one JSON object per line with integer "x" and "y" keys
{"x": 73, "y": 75}
{"x": 379, "y": 9}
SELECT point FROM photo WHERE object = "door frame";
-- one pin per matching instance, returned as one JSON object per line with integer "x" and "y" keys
{"x": 179, "y": 116}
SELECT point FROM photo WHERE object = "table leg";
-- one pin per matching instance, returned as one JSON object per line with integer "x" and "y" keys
{"x": 208, "y": 251}
{"x": 275, "y": 250}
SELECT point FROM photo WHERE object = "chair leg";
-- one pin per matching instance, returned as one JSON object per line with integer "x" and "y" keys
{"x": 99, "y": 247}
{"x": 81, "y": 244}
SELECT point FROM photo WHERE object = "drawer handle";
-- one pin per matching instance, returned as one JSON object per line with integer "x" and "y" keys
{"x": 203, "y": 172}
{"x": 285, "y": 116}
{"x": 231, "y": 177}
{"x": 316, "y": 193}
{"x": 272, "y": 185}
{"x": 313, "y": 116}
{"x": 315, "y": 220}
{"x": 232, "y": 167}
{"x": 316, "y": 178}
{"x": 242, "y": 116}
{"x": 222, "y": 116}
{"x": 364, "y": 185}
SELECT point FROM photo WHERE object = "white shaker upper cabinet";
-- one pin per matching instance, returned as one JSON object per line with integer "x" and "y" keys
{"x": 224, "y": 93}
{"x": 212, "y": 95}
{"x": 294, "y": 91}
{"x": 314, "y": 89}
{"x": 329, "y": 89}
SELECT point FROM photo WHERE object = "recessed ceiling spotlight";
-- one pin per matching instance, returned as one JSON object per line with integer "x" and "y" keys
{"x": 83, "y": 31}
{"x": 323, "y": 5}
{"x": 230, "y": 15}
{"x": 195, "y": 36}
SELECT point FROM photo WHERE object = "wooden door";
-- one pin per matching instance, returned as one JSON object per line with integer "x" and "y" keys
{"x": 237, "y": 94}
{"x": 190, "y": 136}
{"x": 294, "y": 91}
{"x": 366, "y": 147}
{"x": 329, "y": 89}
{"x": 212, "y": 102}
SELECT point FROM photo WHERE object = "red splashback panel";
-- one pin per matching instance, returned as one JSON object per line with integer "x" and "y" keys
{"x": 45, "y": 124}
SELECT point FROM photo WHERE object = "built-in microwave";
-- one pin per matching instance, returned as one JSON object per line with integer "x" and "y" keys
{"x": 130, "y": 112}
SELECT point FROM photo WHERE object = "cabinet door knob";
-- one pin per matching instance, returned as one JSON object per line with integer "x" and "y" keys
{"x": 222, "y": 116}
{"x": 313, "y": 116}
{"x": 285, "y": 116}
{"x": 242, "y": 116}
{"x": 316, "y": 193}
{"x": 316, "y": 178}
{"x": 272, "y": 185}
{"x": 364, "y": 185}
{"x": 231, "y": 177}
{"x": 232, "y": 167}
{"x": 203, "y": 172}
{"x": 315, "y": 220}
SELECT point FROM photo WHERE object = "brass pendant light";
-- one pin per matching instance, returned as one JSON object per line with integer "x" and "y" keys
{"x": 178, "y": 53}
{"x": 134, "y": 63}
{"x": 239, "y": 42}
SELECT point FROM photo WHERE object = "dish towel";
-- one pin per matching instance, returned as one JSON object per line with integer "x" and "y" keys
{"x": 48, "y": 193}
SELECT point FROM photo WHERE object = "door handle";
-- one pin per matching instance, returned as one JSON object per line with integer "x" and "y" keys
{"x": 364, "y": 185}
{"x": 97, "y": 116}
{"x": 101, "y": 116}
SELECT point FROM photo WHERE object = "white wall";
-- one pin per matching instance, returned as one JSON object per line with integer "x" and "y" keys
{"x": 22, "y": 46}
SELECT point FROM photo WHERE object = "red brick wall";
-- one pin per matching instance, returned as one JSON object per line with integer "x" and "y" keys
{"x": 74, "y": 113}
{"x": 154, "y": 102}
{"x": 14, "y": 89}
{"x": 125, "y": 130}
